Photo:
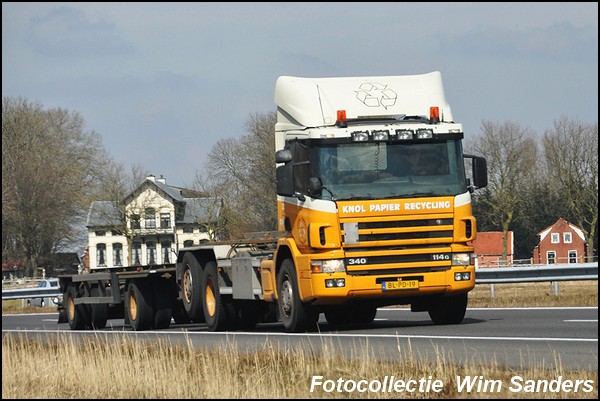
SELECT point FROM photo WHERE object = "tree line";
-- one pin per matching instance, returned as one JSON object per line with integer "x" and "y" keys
{"x": 52, "y": 169}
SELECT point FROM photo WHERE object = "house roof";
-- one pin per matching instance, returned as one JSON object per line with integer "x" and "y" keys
{"x": 200, "y": 210}
{"x": 561, "y": 224}
{"x": 195, "y": 210}
{"x": 103, "y": 214}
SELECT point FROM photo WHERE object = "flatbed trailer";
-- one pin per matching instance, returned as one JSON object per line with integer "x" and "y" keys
{"x": 151, "y": 297}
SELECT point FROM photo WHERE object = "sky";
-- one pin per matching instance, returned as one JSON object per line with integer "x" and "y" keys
{"x": 162, "y": 83}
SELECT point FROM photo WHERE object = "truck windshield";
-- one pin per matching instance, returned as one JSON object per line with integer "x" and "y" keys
{"x": 389, "y": 169}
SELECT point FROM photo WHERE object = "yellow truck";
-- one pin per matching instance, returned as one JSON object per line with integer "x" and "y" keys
{"x": 374, "y": 209}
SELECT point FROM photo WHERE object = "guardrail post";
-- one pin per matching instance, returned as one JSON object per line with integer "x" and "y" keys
{"x": 492, "y": 293}
{"x": 554, "y": 285}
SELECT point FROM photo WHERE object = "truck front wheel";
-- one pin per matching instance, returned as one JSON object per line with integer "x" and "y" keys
{"x": 449, "y": 310}
{"x": 295, "y": 315}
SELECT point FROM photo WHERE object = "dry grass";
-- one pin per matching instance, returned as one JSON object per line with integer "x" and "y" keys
{"x": 570, "y": 293}
{"x": 98, "y": 368}
{"x": 67, "y": 367}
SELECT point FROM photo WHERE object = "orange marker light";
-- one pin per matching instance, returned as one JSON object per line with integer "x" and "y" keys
{"x": 341, "y": 122}
{"x": 434, "y": 114}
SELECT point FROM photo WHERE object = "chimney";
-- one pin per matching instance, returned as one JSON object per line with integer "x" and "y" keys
{"x": 151, "y": 177}
{"x": 162, "y": 180}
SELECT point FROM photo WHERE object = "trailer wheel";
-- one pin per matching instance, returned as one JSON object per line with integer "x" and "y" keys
{"x": 162, "y": 307}
{"x": 218, "y": 311}
{"x": 77, "y": 315}
{"x": 192, "y": 288}
{"x": 295, "y": 315}
{"x": 449, "y": 310}
{"x": 138, "y": 305}
{"x": 98, "y": 312}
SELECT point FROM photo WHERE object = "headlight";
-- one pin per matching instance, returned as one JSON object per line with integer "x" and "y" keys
{"x": 463, "y": 259}
{"x": 327, "y": 266}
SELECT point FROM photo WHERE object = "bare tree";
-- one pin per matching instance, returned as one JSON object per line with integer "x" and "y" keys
{"x": 511, "y": 153}
{"x": 241, "y": 172}
{"x": 50, "y": 168}
{"x": 571, "y": 155}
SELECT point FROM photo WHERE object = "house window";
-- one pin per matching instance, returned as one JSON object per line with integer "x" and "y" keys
{"x": 165, "y": 220}
{"x": 135, "y": 221}
{"x": 572, "y": 256}
{"x": 100, "y": 233}
{"x": 101, "y": 254}
{"x": 555, "y": 238}
{"x": 150, "y": 218}
{"x": 551, "y": 257}
{"x": 188, "y": 230}
{"x": 166, "y": 251}
{"x": 567, "y": 238}
{"x": 151, "y": 253}
{"x": 188, "y": 243}
{"x": 203, "y": 229}
{"x": 118, "y": 254}
{"x": 136, "y": 253}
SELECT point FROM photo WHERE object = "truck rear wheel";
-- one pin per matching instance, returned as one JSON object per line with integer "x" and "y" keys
{"x": 295, "y": 315}
{"x": 449, "y": 310}
{"x": 139, "y": 305}
{"x": 219, "y": 312}
{"x": 77, "y": 315}
{"x": 192, "y": 288}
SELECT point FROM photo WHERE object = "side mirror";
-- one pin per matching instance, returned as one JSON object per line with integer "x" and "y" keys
{"x": 283, "y": 156}
{"x": 480, "y": 176}
{"x": 285, "y": 180}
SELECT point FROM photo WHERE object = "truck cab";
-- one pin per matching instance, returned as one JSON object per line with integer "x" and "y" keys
{"x": 375, "y": 199}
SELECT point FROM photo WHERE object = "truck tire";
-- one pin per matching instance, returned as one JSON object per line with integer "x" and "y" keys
{"x": 162, "y": 304}
{"x": 98, "y": 312}
{"x": 219, "y": 312}
{"x": 296, "y": 316}
{"x": 192, "y": 288}
{"x": 139, "y": 305}
{"x": 449, "y": 310}
{"x": 77, "y": 315}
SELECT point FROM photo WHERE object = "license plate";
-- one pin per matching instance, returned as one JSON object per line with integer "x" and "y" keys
{"x": 400, "y": 285}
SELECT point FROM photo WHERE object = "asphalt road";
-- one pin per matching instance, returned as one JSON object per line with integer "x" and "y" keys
{"x": 515, "y": 338}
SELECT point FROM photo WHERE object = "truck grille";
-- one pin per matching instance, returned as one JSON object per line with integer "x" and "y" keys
{"x": 402, "y": 245}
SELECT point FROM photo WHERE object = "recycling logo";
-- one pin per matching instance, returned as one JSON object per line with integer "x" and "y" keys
{"x": 375, "y": 95}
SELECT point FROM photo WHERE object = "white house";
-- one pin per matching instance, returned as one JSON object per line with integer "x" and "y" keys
{"x": 153, "y": 221}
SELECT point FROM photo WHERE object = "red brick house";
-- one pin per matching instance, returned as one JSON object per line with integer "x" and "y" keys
{"x": 488, "y": 247}
{"x": 562, "y": 242}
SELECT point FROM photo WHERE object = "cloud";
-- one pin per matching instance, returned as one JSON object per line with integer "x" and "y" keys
{"x": 66, "y": 31}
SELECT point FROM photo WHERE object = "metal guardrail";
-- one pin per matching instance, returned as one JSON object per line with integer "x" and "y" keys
{"x": 487, "y": 275}
{"x": 23, "y": 293}
{"x": 536, "y": 273}
{"x": 554, "y": 272}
